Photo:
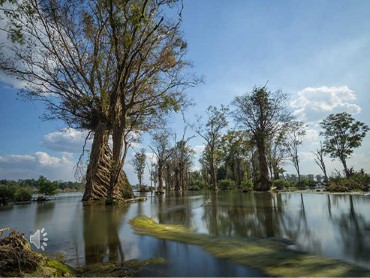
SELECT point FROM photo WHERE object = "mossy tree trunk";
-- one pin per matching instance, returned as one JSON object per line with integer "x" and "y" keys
{"x": 99, "y": 170}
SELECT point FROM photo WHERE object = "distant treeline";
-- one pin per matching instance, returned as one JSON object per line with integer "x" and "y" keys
{"x": 22, "y": 190}
{"x": 35, "y": 184}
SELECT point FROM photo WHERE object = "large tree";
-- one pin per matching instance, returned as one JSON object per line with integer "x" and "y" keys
{"x": 161, "y": 149}
{"x": 211, "y": 132}
{"x": 294, "y": 138}
{"x": 263, "y": 114}
{"x": 139, "y": 165}
{"x": 319, "y": 160}
{"x": 342, "y": 135}
{"x": 108, "y": 66}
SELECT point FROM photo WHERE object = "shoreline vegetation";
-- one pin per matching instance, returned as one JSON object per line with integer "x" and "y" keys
{"x": 23, "y": 191}
{"x": 18, "y": 259}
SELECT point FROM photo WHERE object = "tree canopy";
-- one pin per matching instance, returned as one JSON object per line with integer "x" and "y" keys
{"x": 342, "y": 135}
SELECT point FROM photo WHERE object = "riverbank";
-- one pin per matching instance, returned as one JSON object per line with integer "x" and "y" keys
{"x": 272, "y": 257}
{"x": 17, "y": 259}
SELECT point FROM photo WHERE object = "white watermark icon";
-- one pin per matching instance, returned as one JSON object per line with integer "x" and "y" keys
{"x": 39, "y": 239}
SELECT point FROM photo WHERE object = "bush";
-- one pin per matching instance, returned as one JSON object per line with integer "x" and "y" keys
{"x": 47, "y": 187}
{"x": 7, "y": 193}
{"x": 281, "y": 183}
{"x": 247, "y": 184}
{"x": 23, "y": 195}
{"x": 358, "y": 181}
{"x": 227, "y": 184}
{"x": 304, "y": 183}
{"x": 196, "y": 185}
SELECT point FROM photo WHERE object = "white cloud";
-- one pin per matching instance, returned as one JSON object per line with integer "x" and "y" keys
{"x": 312, "y": 134}
{"x": 66, "y": 140}
{"x": 40, "y": 163}
{"x": 198, "y": 149}
{"x": 314, "y": 104}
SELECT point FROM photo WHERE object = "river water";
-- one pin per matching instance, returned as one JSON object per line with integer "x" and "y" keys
{"x": 336, "y": 226}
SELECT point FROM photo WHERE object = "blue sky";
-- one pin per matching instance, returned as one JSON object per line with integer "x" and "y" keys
{"x": 316, "y": 51}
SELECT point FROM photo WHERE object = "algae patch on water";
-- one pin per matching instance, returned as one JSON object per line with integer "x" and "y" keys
{"x": 269, "y": 256}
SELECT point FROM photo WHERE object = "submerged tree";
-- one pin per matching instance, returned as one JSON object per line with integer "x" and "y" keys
{"x": 161, "y": 149}
{"x": 110, "y": 67}
{"x": 263, "y": 114}
{"x": 211, "y": 132}
{"x": 342, "y": 135}
{"x": 139, "y": 165}
{"x": 319, "y": 160}
{"x": 294, "y": 139}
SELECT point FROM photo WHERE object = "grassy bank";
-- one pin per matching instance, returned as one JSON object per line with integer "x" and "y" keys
{"x": 17, "y": 259}
{"x": 269, "y": 256}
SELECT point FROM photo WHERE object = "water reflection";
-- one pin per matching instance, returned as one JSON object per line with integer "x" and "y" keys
{"x": 44, "y": 212}
{"x": 331, "y": 225}
{"x": 176, "y": 208}
{"x": 354, "y": 230}
{"x": 101, "y": 233}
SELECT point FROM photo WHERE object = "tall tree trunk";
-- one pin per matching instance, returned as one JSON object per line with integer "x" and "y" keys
{"x": 99, "y": 168}
{"x": 213, "y": 174}
{"x": 177, "y": 178}
{"x": 263, "y": 183}
{"x": 344, "y": 163}
{"x": 97, "y": 175}
{"x": 160, "y": 176}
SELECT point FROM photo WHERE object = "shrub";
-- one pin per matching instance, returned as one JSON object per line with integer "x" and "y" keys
{"x": 227, "y": 184}
{"x": 47, "y": 187}
{"x": 281, "y": 183}
{"x": 358, "y": 181}
{"x": 196, "y": 185}
{"x": 23, "y": 195}
{"x": 247, "y": 184}
{"x": 304, "y": 183}
{"x": 7, "y": 193}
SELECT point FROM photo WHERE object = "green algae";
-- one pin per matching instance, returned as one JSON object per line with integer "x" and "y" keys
{"x": 269, "y": 256}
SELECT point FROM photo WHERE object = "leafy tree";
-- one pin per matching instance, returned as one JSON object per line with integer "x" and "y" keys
{"x": 319, "y": 160}
{"x": 161, "y": 151}
{"x": 342, "y": 135}
{"x": 263, "y": 114}
{"x": 295, "y": 134}
{"x": 46, "y": 187}
{"x": 179, "y": 164}
{"x": 110, "y": 67}
{"x": 7, "y": 192}
{"x": 139, "y": 165}
{"x": 211, "y": 132}
{"x": 236, "y": 151}
{"x": 23, "y": 195}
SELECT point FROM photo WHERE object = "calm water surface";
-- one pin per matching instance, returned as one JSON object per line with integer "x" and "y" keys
{"x": 337, "y": 226}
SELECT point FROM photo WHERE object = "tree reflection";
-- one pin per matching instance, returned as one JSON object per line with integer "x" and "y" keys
{"x": 352, "y": 226}
{"x": 175, "y": 208}
{"x": 101, "y": 233}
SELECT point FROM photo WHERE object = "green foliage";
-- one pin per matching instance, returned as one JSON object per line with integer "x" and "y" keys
{"x": 226, "y": 184}
{"x": 46, "y": 187}
{"x": 283, "y": 184}
{"x": 247, "y": 183}
{"x": 7, "y": 192}
{"x": 139, "y": 164}
{"x": 342, "y": 135}
{"x": 196, "y": 185}
{"x": 23, "y": 195}
{"x": 358, "y": 181}
{"x": 306, "y": 183}
{"x": 264, "y": 115}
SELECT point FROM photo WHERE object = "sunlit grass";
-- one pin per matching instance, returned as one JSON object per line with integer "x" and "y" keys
{"x": 269, "y": 256}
